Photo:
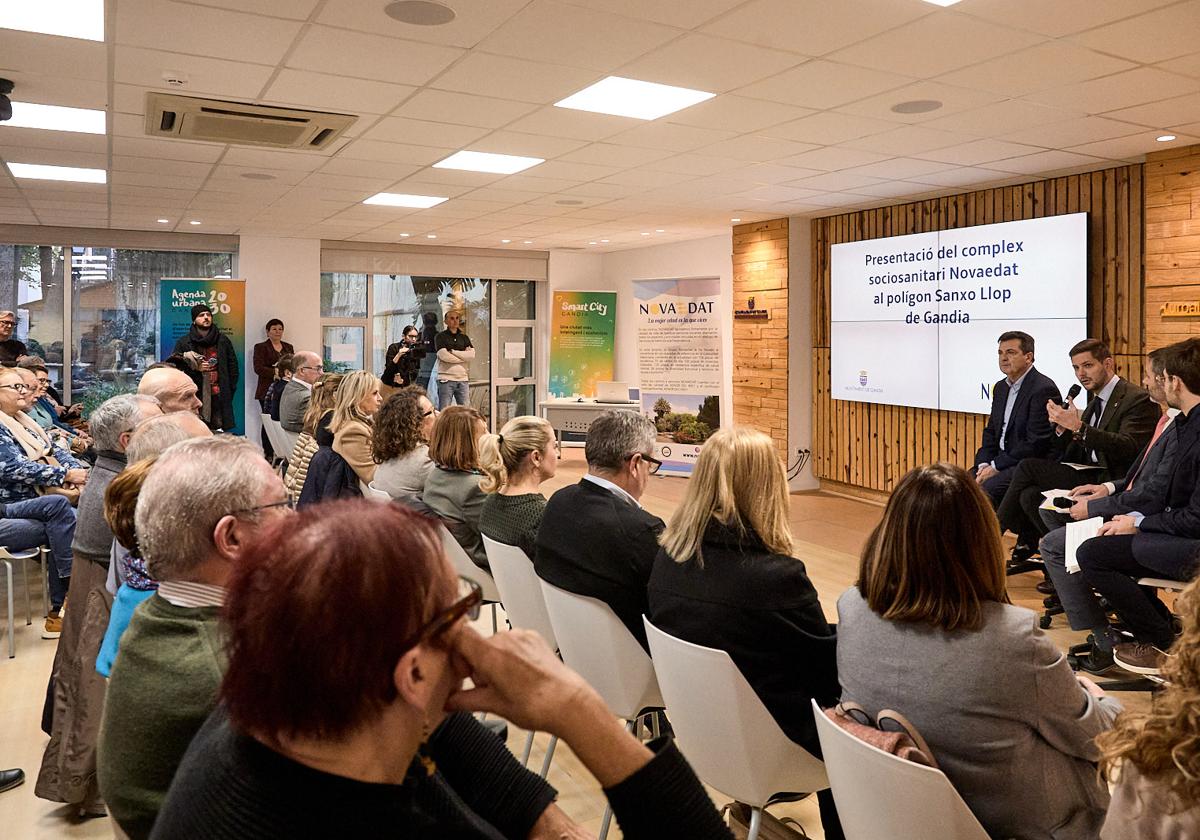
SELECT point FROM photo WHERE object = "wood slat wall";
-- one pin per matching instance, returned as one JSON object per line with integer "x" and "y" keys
{"x": 872, "y": 446}
{"x": 760, "y": 348}
{"x": 1172, "y": 242}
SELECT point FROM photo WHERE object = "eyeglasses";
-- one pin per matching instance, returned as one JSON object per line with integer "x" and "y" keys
{"x": 312, "y": 367}
{"x": 8, "y": 323}
{"x": 427, "y": 413}
{"x": 287, "y": 504}
{"x": 19, "y": 387}
{"x": 653, "y": 462}
{"x": 470, "y": 599}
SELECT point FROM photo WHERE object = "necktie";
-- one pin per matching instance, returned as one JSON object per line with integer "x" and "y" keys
{"x": 1158, "y": 430}
{"x": 1097, "y": 414}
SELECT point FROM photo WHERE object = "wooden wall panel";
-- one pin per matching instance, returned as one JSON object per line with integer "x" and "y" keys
{"x": 1172, "y": 186}
{"x": 872, "y": 446}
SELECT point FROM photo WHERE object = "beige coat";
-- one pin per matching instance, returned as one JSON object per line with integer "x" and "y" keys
{"x": 297, "y": 471}
{"x": 353, "y": 442}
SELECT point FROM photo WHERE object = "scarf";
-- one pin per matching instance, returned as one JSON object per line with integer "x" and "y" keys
{"x": 134, "y": 570}
{"x": 29, "y": 434}
{"x": 200, "y": 339}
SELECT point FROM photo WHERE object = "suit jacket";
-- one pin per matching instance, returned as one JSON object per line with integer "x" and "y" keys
{"x": 292, "y": 405}
{"x": 353, "y": 442}
{"x": 1153, "y": 472}
{"x": 1125, "y": 428}
{"x": 454, "y": 495}
{"x": 762, "y": 610}
{"x": 593, "y": 542}
{"x": 1181, "y": 515}
{"x": 1029, "y": 433}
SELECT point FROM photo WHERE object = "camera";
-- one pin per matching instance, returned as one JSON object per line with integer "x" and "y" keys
{"x": 6, "y": 87}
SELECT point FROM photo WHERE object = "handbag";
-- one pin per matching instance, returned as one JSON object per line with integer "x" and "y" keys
{"x": 72, "y": 493}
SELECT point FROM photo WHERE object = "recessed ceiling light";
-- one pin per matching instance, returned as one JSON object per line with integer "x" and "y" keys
{"x": 1165, "y": 138}
{"x": 916, "y": 106}
{"x": 659, "y": 230}
{"x": 44, "y": 172}
{"x": 622, "y": 97}
{"x": 431, "y": 236}
{"x": 603, "y": 241}
{"x": 405, "y": 200}
{"x": 528, "y": 241}
{"x": 56, "y": 118}
{"x": 942, "y": 2}
{"x": 194, "y": 222}
{"x": 164, "y": 221}
{"x": 403, "y": 235}
{"x": 419, "y": 12}
{"x": 645, "y": 233}
{"x": 735, "y": 220}
{"x": 488, "y": 162}
{"x": 505, "y": 241}
{"x": 591, "y": 243}
{"x": 258, "y": 176}
{"x": 68, "y": 18}
{"x": 569, "y": 202}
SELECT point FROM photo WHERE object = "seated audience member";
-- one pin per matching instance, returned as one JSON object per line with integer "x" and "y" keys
{"x": 929, "y": 632}
{"x": 1153, "y": 758}
{"x": 1143, "y": 488}
{"x": 1165, "y": 544}
{"x": 452, "y": 489}
{"x": 1018, "y": 427}
{"x": 76, "y": 697}
{"x": 43, "y": 409}
{"x": 727, "y": 577}
{"x": 32, "y": 467}
{"x": 293, "y": 402}
{"x": 192, "y": 523}
{"x": 400, "y": 444}
{"x": 1106, "y": 437}
{"x": 292, "y": 753}
{"x": 595, "y": 539}
{"x": 315, "y": 432}
{"x": 283, "y": 375}
{"x": 515, "y": 463}
{"x": 353, "y": 418}
{"x": 37, "y": 521}
{"x": 174, "y": 389}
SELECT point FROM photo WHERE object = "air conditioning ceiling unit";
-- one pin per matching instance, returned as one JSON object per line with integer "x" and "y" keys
{"x": 216, "y": 121}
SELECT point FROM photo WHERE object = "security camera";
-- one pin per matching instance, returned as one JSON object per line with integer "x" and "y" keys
{"x": 6, "y": 87}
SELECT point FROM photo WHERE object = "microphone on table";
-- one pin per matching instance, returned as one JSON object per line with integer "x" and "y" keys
{"x": 1072, "y": 393}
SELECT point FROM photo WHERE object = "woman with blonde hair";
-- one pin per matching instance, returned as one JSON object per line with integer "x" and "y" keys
{"x": 1153, "y": 758}
{"x": 515, "y": 463}
{"x": 727, "y": 578}
{"x": 928, "y": 630}
{"x": 315, "y": 432}
{"x": 452, "y": 489}
{"x": 353, "y": 417}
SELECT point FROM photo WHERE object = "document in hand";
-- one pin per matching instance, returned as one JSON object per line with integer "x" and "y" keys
{"x": 1050, "y": 496}
{"x": 1077, "y": 532}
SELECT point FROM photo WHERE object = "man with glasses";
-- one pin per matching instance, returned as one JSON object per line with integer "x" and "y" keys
{"x": 193, "y": 523}
{"x": 293, "y": 403}
{"x": 595, "y": 539}
{"x": 11, "y": 349}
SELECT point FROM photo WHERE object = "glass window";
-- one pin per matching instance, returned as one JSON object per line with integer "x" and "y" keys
{"x": 514, "y": 401}
{"x": 114, "y": 312}
{"x": 515, "y": 345}
{"x": 32, "y": 285}
{"x": 342, "y": 348}
{"x": 343, "y": 295}
{"x": 515, "y": 300}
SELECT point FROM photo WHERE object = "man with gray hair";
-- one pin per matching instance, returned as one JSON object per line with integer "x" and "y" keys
{"x": 293, "y": 402}
{"x": 193, "y": 521}
{"x": 75, "y": 698}
{"x": 595, "y": 539}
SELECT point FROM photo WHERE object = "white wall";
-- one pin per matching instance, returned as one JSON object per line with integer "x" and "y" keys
{"x": 800, "y": 350}
{"x": 283, "y": 280}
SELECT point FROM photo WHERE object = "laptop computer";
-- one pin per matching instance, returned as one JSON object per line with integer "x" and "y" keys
{"x": 612, "y": 392}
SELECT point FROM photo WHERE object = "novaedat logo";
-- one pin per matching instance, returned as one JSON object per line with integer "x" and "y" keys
{"x": 862, "y": 378}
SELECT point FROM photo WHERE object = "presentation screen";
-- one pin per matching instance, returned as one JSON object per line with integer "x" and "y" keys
{"x": 915, "y": 318}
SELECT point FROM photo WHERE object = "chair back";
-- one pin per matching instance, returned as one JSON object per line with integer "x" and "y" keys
{"x": 462, "y": 565}
{"x": 883, "y": 795}
{"x": 289, "y": 440}
{"x": 724, "y": 729}
{"x": 520, "y": 589}
{"x": 273, "y": 429}
{"x": 370, "y": 491}
{"x": 594, "y": 642}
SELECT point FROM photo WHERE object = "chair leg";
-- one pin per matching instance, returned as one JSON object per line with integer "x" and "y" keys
{"x": 527, "y": 750}
{"x": 494, "y": 629}
{"x": 549, "y": 756}
{"x": 25, "y": 583}
{"x": 12, "y": 645}
{"x": 46, "y": 561}
{"x": 755, "y": 823}
{"x": 654, "y": 723}
{"x": 604, "y": 823}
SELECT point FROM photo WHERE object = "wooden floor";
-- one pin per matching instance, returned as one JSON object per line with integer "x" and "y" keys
{"x": 830, "y": 531}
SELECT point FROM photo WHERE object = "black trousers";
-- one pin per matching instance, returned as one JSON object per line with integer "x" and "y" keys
{"x": 996, "y": 486}
{"x": 1018, "y": 510}
{"x": 1112, "y": 565}
{"x": 268, "y": 452}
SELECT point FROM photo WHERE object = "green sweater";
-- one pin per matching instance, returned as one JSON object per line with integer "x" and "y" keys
{"x": 513, "y": 520}
{"x": 164, "y": 684}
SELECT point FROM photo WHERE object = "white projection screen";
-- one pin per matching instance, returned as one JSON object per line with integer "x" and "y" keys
{"x": 915, "y": 318}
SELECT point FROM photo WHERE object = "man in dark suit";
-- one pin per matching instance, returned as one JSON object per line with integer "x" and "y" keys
{"x": 1018, "y": 427}
{"x": 1163, "y": 544}
{"x": 595, "y": 539}
{"x": 1103, "y": 439}
{"x": 293, "y": 402}
{"x": 1143, "y": 488}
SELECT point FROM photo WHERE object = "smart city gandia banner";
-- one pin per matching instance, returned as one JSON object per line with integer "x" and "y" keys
{"x": 582, "y": 337}
{"x": 227, "y": 300}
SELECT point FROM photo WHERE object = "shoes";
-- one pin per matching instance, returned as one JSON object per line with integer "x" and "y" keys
{"x": 1094, "y": 661}
{"x": 53, "y": 627}
{"x": 1045, "y": 587}
{"x": 1022, "y": 551}
{"x": 10, "y": 779}
{"x": 1052, "y": 603}
{"x": 1140, "y": 658}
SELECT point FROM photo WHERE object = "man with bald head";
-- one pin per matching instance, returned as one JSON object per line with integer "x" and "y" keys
{"x": 11, "y": 349}
{"x": 175, "y": 390}
{"x": 293, "y": 403}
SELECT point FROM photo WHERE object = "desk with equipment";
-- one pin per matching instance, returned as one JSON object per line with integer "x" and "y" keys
{"x": 575, "y": 414}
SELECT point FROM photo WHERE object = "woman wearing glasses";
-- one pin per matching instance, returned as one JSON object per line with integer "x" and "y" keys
{"x": 368, "y": 735}
{"x": 401, "y": 443}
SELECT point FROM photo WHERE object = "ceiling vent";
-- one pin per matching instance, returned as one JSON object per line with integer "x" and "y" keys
{"x": 215, "y": 121}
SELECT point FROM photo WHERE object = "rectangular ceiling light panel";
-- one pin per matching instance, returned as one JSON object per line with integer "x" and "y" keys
{"x": 44, "y": 172}
{"x": 67, "y": 18}
{"x": 56, "y": 118}
{"x": 622, "y": 97}
{"x": 488, "y": 162}
{"x": 421, "y": 202}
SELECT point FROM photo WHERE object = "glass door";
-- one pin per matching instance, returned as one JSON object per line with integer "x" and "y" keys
{"x": 514, "y": 367}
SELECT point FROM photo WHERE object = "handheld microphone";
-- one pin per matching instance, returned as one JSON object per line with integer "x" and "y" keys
{"x": 1072, "y": 393}
{"x": 1062, "y": 502}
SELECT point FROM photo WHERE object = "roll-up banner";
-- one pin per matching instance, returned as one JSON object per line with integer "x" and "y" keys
{"x": 679, "y": 364}
{"x": 582, "y": 338}
{"x": 227, "y": 300}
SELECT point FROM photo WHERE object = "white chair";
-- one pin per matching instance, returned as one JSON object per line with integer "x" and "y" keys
{"x": 596, "y": 644}
{"x": 273, "y": 431}
{"x": 290, "y": 439}
{"x": 724, "y": 729}
{"x": 462, "y": 565}
{"x": 7, "y": 557}
{"x": 882, "y": 795}
{"x": 370, "y": 491}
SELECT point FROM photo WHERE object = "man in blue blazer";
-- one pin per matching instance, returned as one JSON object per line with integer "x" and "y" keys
{"x": 1018, "y": 426}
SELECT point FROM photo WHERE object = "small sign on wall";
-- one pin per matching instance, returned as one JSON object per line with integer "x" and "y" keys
{"x": 751, "y": 313}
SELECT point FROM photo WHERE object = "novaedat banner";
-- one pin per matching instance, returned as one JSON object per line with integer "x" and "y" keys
{"x": 227, "y": 300}
{"x": 583, "y": 329}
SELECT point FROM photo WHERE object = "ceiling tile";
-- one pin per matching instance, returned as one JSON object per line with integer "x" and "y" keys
{"x": 209, "y": 77}
{"x": 823, "y": 84}
{"x": 1133, "y": 146}
{"x": 295, "y": 9}
{"x": 835, "y": 181}
{"x": 833, "y": 158}
{"x": 813, "y": 27}
{"x": 1046, "y": 162}
{"x": 954, "y": 100}
{"x": 1155, "y": 36}
{"x": 1188, "y": 65}
{"x": 474, "y": 20}
{"x": 610, "y": 154}
{"x": 706, "y": 63}
{"x": 671, "y": 12}
{"x": 900, "y": 168}
{"x": 891, "y": 189}
{"x": 677, "y": 138}
{"x": 456, "y": 177}
{"x": 29, "y": 53}
{"x": 772, "y": 173}
{"x": 52, "y": 157}
{"x": 1073, "y": 132}
{"x": 757, "y": 148}
{"x": 421, "y": 133}
{"x": 303, "y": 89}
{"x": 572, "y": 171}
{"x": 907, "y": 140}
{"x": 1001, "y": 117}
{"x": 161, "y": 166}
{"x": 151, "y": 147}
{"x": 513, "y": 78}
{"x": 1048, "y": 66}
{"x": 646, "y": 178}
{"x": 737, "y": 113}
{"x": 554, "y": 32}
{"x": 567, "y": 122}
{"x": 1169, "y": 113}
{"x": 55, "y": 90}
{"x": 962, "y": 177}
{"x": 395, "y": 153}
{"x": 67, "y": 141}
{"x": 947, "y": 42}
{"x": 1122, "y": 90}
{"x": 688, "y": 164}
{"x": 978, "y": 151}
{"x": 462, "y": 108}
{"x": 271, "y": 159}
{"x": 829, "y": 128}
{"x": 200, "y": 30}
{"x": 345, "y": 53}
{"x": 526, "y": 145}
{"x": 1062, "y": 17}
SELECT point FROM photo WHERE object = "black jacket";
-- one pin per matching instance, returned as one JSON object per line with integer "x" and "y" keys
{"x": 328, "y": 477}
{"x": 1125, "y": 428}
{"x": 227, "y": 369}
{"x": 761, "y": 609}
{"x": 1029, "y": 433}
{"x": 593, "y": 542}
{"x": 408, "y": 367}
{"x": 1181, "y": 516}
